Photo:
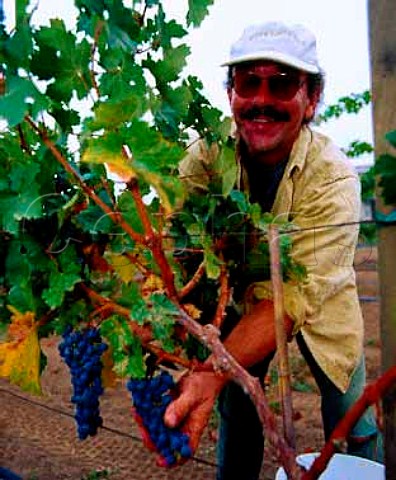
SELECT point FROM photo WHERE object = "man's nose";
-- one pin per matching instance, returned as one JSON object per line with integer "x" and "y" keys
{"x": 263, "y": 93}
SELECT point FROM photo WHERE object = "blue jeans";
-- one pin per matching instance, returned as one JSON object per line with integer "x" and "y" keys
{"x": 241, "y": 441}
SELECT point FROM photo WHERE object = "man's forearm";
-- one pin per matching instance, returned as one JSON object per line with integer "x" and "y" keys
{"x": 253, "y": 338}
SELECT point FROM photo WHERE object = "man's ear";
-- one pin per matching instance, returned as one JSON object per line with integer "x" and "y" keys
{"x": 311, "y": 107}
{"x": 310, "y": 111}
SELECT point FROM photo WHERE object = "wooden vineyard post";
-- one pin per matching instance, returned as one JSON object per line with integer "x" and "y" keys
{"x": 383, "y": 64}
{"x": 281, "y": 339}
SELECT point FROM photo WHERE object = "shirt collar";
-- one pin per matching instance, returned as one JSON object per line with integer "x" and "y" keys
{"x": 296, "y": 160}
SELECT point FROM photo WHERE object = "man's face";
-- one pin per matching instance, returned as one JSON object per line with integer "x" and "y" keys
{"x": 269, "y": 103}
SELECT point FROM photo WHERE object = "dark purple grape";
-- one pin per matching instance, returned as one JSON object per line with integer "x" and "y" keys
{"x": 150, "y": 398}
{"x": 82, "y": 352}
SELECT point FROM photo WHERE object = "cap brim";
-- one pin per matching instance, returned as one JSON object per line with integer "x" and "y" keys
{"x": 276, "y": 57}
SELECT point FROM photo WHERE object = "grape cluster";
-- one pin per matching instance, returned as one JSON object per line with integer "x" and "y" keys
{"x": 150, "y": 398}
{"x": 82, "y": 351}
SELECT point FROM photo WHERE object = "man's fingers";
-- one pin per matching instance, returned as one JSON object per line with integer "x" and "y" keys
{"x": 196, "y": 425}
{"x": 179, "y": 409}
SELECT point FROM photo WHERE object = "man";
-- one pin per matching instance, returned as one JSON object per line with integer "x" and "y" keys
{"x": 274, "y": 85}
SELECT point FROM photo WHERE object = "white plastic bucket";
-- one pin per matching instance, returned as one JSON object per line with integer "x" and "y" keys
{"x": 341, "y": 467}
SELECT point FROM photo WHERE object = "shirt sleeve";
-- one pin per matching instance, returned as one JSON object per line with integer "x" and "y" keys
{"x": 324, "y": 243}
{"x": 196, "y": 168}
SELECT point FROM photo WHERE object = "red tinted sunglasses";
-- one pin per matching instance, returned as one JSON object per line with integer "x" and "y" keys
{"x": 282, "y": 86}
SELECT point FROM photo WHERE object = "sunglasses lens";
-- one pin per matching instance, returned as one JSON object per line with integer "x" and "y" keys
{"x": 247, "y": 84}
{"x": 282, "y": 86}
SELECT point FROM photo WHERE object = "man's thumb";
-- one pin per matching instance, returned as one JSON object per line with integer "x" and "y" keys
{"x": 178, "y": 410}
{"x": 171, "y": 417}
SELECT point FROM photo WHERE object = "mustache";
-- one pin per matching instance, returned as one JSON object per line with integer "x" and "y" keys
{"x": 267, "y": 111}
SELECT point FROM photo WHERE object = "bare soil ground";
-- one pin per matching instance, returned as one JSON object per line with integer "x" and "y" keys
{"x": 37, "y": 434}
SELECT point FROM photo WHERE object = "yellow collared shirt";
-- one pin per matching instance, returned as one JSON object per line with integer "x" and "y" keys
{"x": 320, "y": 194}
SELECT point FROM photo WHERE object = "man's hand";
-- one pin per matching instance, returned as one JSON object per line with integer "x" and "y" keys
{"x": 191, "y": 410}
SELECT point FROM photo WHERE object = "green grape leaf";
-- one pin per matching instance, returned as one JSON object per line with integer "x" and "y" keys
{"x": 140, "y": 312}
{"x": 59, "y": 284}
{"x": 240, "y": 199}
{"x": 172, "y": 110}
{"x": 91, "y": 6}
{"x": 169, "y": 188}
{"x": 123, "y": 75}
{"x": 169, "y": 68}
{"x": 119, "y": 38}
{"x": 21, "y": 296}
{"x": 129, "y": 212}
{"x": 71, "y": 72}
{"x": 212, "y": 264}
{"x": 205, "y": 119}
{"x": 94, "y": 220}
{"x": 150, "y": 149}
{"x": 66, "y": 119}
{"x": 136, "y": 367}
{"x": 18, "y": 47}
{"x": 212, "y": 119}
{"x": 130, "y": 293}
{"x": 21, "y": 174}
{"x": 197, "y": 11}
{"x": 196, "y": 232}
{"x": 68, "y": 261}
{"x": 152, "y": 158}
{"x": 21, "y": 98}
{"x": 170, "y": 30}
{"x": 24, "y": 257}
{"x": 22, "y": 16}
{"x": 124, "y": 27}
{"x": 162, "y": 332}
{"x": 115, "y": 111}
{"x": 162, "y": 306}
{"x": 226, "y": 169}
{"x": 24, "y": 200}
{"x": 45, "y": 62}
{"x": 107, "y": 327}
{"x": 152, "y": 3}
{"x": 163, "y": 314}
{"x": 126, "y": 348}
{"x": 165, "y": 31}
{"x": 64, "y": 279}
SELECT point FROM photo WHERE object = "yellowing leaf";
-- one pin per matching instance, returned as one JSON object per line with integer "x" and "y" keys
{"x": 124, "y": 268}
{"x": 123, "y": 173}
{"x": 192, "y": 311}
{"x": 20, "y": 355}
{"x": 109, "y": 150}
{"x": 21, "y": 323}
{"x": 152, "y": 284}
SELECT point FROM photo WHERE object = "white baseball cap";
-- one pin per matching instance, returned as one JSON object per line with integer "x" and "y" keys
{"x": 292, "y": 45}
